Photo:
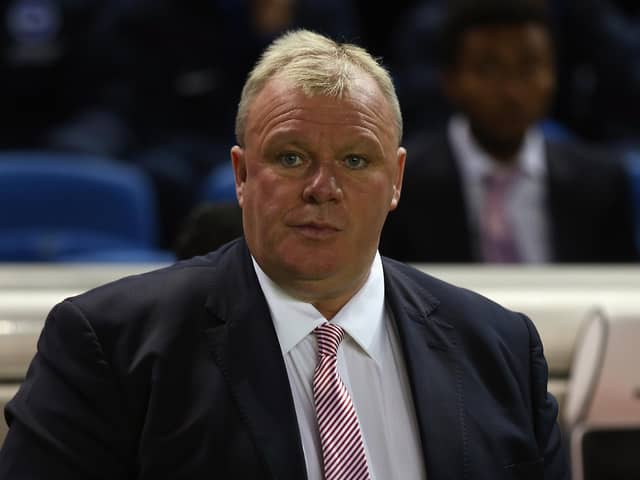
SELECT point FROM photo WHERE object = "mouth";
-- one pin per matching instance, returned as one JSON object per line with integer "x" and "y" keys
{"x": 316, "y": 230}
{"x": 511, "y": 115}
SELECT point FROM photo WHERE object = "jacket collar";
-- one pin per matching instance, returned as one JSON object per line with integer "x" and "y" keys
{"x": 429, "y": 344}
{"x": 244, "y": 344}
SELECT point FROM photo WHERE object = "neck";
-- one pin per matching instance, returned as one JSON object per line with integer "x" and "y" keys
{"x": 504, "y": 151}
{"x": 329, "y": 302}
{"x": 327, "y": 293}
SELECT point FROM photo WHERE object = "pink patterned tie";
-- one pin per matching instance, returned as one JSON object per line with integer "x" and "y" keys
{"x": 498, "y": 237}
{"x": 340, "y": 436}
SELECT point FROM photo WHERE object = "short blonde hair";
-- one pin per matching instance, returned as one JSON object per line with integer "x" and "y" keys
{"x": 317, "y": 65}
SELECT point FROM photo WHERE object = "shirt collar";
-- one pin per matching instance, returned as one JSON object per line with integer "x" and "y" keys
{"x": 362, "y": 317}
{"x": 477, "y": 164}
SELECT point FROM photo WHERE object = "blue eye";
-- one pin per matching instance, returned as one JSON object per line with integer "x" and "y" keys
{"x": 290, "y": 160}
{"x": 355, "y": 162}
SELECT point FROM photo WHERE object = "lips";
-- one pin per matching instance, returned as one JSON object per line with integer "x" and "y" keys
{"x": 316, "y": 230}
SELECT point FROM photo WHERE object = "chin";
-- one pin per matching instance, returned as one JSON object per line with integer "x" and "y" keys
{"x": 311, "y": 268}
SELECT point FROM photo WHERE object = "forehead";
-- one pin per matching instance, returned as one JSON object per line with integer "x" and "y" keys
{"x": 526, "y": 37}
{"x": 281, "y": 104}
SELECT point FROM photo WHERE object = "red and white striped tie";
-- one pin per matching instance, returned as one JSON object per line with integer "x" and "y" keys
{"x": 340, "y": 436}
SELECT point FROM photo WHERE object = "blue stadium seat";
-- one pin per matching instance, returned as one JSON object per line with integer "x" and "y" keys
{"x": 554, "y": 130}
{"x": 219, "y": 185}
{"x": 58, "y": 205}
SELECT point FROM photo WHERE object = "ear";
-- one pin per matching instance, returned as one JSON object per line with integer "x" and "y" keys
{"x": 401, "y": 157}
{"x": 239, "y": 171}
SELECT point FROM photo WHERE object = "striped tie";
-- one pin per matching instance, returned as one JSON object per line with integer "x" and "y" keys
{"x": 342, "y": 445}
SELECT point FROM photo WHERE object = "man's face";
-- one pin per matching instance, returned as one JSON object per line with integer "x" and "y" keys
{"x": 315, "y": 180}
{"x": 503, "y": 79}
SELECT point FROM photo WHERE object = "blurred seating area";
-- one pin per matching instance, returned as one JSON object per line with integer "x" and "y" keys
{"x": 149, "y": 84}
{"x": 152, "y": 87}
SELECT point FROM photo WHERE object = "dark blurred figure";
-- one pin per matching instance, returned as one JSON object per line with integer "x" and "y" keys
{"x": 490, "y": 187}
{"x": 52, "y": 76}
{"x": 375, "y": 18}
{"x": 414, "y": 64}
{"x": 599, "y": 89}
{"x": 208, "y": 226}
{"x": 184, "y": 64}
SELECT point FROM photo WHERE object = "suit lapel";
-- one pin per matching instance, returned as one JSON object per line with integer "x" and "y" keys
{"x": 429, "y": 342}
{"x": 245, "y": 347}
{"x": 566, "y": 204}
{"x": 437, "y": 185}
{"x": 457, "y": 217}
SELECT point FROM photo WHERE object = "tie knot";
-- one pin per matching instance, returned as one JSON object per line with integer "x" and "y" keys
{"x": 329, "y": 337}
{"x": 500, "y": 180}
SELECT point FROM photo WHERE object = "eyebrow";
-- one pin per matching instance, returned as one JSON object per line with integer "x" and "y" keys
{"x": 280, "y": 140}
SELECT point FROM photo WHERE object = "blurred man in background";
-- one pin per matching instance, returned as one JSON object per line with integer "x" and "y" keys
{"x": 491, "y": 187}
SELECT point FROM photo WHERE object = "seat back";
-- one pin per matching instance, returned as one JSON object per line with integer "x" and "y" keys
{"x": 55, "y": 204}
{"x": 605, "y": 453}
{"x": 602, "y": 407}
{"x": 219, "y": 186}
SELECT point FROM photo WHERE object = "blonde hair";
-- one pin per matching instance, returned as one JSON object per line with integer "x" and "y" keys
{"x": 317, "y": 65}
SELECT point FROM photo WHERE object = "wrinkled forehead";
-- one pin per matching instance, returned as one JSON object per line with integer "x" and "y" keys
{"x": 363, "y": 99}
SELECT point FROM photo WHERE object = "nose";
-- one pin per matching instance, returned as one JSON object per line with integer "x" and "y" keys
{"x": 322, "y": 186}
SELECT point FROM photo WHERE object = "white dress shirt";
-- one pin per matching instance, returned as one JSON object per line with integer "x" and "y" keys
{"x": 527, "y": 202}
{"x": 371, "y": 365}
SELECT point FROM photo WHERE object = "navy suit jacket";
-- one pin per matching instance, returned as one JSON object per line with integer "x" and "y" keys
{"x": 588, "y": 202}
{"x": 178, "y": 374}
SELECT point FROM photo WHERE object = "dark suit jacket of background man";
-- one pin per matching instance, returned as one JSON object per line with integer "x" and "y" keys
{"x": 589, "y": 204}
{"x": 178, "y": 374}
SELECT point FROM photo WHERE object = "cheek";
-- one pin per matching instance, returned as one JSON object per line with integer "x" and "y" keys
{"x": 477, "y": 96}
{"x": 545, "y": 86}
{"x": 267, "y": 198}
{"x": 261, "y": 185}
{"x": 374, "y": 201}
{"x": 471, "y": 85}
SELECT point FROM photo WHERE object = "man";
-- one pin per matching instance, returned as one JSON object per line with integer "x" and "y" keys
{"x": 491, "y": 187}
{"x": 206, "y": 369}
